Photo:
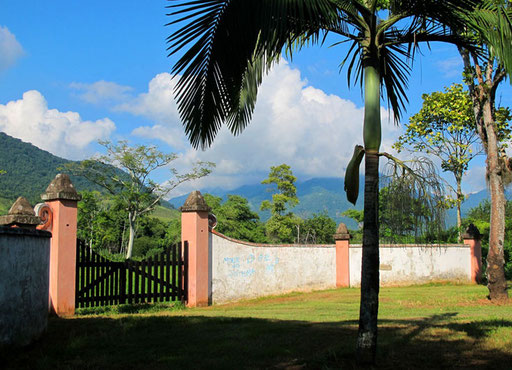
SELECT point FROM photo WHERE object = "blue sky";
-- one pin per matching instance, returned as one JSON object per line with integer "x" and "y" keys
{"x": 73, "y": 72}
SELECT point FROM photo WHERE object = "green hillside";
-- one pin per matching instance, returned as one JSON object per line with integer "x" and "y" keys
{"x": 29, "y": 171}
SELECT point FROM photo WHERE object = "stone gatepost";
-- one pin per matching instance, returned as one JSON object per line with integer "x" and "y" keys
{"x": 194, "y": 229}
{"x": 342, "y": 238}
{"x": 62, "y": 199}
{"x": 472, "y": 238}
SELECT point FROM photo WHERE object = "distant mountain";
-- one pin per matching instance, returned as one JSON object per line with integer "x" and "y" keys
{"x": 318, "y": 195}
{"x": 29, "y": 171}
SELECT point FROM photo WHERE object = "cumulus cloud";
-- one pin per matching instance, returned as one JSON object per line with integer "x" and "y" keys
{"x": 10, "y": 49}
{"x": 64, "y": 134}
{"x": 314, "y": 132}
{"x": 173, "y": 136}
{"x": 101, "y": 91}
{"x": 157, "y": 104}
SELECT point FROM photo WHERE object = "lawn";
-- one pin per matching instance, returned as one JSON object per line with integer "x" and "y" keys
{"x": 430, "y": 326}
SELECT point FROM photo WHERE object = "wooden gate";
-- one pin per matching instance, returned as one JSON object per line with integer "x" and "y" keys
{"x": 101, "y": 282}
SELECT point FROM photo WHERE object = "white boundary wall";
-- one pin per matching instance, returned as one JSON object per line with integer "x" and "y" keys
{"x": 415, "y": 264}
{"x": 247, "y": 270}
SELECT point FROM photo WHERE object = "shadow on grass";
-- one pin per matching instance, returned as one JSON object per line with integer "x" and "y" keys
{"x": 198, "y": 342}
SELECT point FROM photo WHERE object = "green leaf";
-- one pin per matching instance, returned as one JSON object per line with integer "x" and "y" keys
{"x": 352, "y": 175}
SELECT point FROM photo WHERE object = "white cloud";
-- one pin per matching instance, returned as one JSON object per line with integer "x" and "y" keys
{"x": 10, "y": 49}
{"x": 157, "y": 104}
{"x": 315, "y": 133}
{"x": 61, "y": 133}
{"x": 101, "y": 91}
{"x": 173, "y": 136}
{"x": 450, "y": 67}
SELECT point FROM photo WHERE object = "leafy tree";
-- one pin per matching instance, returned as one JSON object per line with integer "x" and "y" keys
{"x": 173, "y": 234}
{"x": 319, "y": 229}
{"x": 355, "y": 214}
{"x": 151, "y": 238}
{"x": 88, "y": 209}
{"x": 232, "y": 44}
{"x": 111, "y": 226}
{"x": 285, "y": 191}
{"x": 138, "y": 194}
{"x": 445, "y": 127}
{"x": 282, "y": 223}
{"x": 483, "y": 77}
{"x": 480, "y": 216}
{"x": 235, "y": 218}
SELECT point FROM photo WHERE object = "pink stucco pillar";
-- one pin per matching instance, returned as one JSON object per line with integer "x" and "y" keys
{"x": 62, "y": 199}
{"x": 342, "y": 238}
{"x": 472, "y": 238}
{"x": 194, "y": 229}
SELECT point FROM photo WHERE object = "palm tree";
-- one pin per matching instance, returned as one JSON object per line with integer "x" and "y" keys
{"x": 226, "y": 46}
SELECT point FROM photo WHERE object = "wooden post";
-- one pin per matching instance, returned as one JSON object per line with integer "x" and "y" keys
{"x": 342, "y": 238}
{"x": 62, "y": 199}
{"x": 194, "y": 229}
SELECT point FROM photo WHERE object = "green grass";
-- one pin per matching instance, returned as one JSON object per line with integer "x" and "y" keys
{"x": 431, "y": 326}
{"x": 165, "y": 214}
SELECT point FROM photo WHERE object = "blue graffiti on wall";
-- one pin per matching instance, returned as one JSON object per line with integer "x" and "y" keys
{"x": 246, "y": 267}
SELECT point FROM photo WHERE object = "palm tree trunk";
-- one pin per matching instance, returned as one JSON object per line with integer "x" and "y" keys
{"x": 367, "y": 335}
{"x": 496, "y": 282}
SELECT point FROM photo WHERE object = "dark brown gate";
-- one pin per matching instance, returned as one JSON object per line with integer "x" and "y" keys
{"x": 101, "y": 282}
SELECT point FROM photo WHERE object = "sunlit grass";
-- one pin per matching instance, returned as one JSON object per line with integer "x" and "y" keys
{"x": 431, "y": 326}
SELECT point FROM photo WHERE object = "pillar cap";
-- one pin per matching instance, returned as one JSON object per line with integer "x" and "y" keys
{"x": 195, "y": 203}
{"x": 61, "y": 188}
{"x": 472, "y": 232}
{"x": 21, "y": 214}
{"x": 342, "y": 232}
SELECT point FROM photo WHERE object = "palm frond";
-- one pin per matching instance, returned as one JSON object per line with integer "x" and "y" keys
{"x": 493, "y": 24}
{"x": 227, "y": 46}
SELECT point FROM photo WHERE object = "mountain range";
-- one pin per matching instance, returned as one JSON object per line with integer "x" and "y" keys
{"x": 29, "y": 170}
{"x": 316, "y": 195}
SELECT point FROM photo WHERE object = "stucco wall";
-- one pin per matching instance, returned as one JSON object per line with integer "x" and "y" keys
{"x": 24, "y": 284}
{"x": 244, "y": 270}
{"x": 413, "y": 264}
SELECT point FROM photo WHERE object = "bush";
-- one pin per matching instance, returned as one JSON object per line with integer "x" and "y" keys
{"x": 144, "y": 244}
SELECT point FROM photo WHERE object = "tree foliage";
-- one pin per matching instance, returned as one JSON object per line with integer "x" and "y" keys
{"x": 412, "y": 202}
{"x": 136, "y": 191}
{"x": 445, "y": 127}
{"x": 282, "y": 225}
{"x": 318, "y": 229}
{"x": 236, "y": 219}
{"x": 480, "y": 216}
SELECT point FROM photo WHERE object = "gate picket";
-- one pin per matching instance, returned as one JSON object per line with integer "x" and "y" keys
{"x": 101, "y": 282}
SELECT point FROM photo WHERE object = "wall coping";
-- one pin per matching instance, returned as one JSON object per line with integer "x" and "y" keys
{"x": 262, "y": 245}
{"x": 4, "y": 230}
{"x": 461, "y": 245}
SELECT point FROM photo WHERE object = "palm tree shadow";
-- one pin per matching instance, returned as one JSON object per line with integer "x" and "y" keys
{"x": 200, "y": 342}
